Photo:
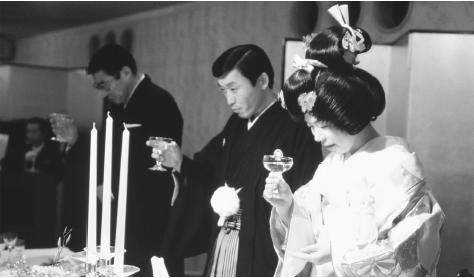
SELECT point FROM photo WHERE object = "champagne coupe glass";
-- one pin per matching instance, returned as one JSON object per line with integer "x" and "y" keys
{"x": 277, "y": 163}
{"x": 160, "y": 143}
{"x": 60, "y": 123}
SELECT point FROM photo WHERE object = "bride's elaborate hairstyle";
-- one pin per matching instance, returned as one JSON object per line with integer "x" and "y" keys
{"x": 333, "y": 90}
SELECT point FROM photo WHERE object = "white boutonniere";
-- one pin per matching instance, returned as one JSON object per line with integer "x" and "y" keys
{"x": 225, "y": 202}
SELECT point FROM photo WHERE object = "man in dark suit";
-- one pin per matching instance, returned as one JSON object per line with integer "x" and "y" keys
{"x": 134, "y": 99}
{"x": 32, "y": 171}
{"x": 36, "y": 153}
{"x": 41, "y": 155}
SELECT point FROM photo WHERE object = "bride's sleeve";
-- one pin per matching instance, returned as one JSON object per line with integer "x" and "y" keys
{"x": 278, "y": 229}
{"x": 407, "y": 221}
{"x": 302, "y": 231}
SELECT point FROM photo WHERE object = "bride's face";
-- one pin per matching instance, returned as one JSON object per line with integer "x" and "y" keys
{"x": 331, "y": 138}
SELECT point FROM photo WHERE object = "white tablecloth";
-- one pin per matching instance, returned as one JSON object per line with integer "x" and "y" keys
{"x": 34, "y": 256}
{"x": 43, "y": 256}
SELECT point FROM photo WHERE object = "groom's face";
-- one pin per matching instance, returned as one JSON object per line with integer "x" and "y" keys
{"x": 242, "y": 97}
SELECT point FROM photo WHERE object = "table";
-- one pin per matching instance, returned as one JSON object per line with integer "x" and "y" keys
{"x": 33, "y": 257}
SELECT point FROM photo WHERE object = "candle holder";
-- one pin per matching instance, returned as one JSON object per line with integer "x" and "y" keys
{"x": 90, "y": 269}
{"x": 89, "y": 258}
{"x": 105, "y": 256}
{"x": 98, "y": 261}
{"x": 102, "y": 265}
{"x": 112, "y": 271}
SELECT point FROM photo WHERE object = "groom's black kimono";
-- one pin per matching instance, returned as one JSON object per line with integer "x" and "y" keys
{"x": 235, "y": 156}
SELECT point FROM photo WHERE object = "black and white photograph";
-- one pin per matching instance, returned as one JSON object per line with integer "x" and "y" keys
{"x": 236, "y": 138}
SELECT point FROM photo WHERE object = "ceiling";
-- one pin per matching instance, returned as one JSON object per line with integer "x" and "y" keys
{"x": 28, "y": 18}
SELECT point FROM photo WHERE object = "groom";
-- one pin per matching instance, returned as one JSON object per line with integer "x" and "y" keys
{"x": 258, "y": 126}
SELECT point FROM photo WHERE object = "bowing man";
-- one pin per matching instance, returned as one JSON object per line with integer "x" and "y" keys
{"x": 134, "y": 99}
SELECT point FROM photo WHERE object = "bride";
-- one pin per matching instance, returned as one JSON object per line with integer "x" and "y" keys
{"x": 368, "y": 210}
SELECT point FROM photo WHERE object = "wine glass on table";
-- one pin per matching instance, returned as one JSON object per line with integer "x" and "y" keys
{"x": 158, "y": 144}
{"x": 10, "y": 240}
{"x": 277, "y": 163}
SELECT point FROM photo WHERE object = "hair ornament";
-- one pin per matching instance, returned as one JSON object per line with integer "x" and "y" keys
{"x": 306, "y": 101}
{"x": 307, "y": 64}
{"x": 307, "y": 40}
{"x": 281, "y": 99}
{"x": 353, "y": 39}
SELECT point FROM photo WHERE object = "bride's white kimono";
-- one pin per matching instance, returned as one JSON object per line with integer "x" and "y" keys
{"x": 374, "y": 208}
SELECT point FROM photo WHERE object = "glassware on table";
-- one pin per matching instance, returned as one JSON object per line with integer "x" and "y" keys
{"x": 94, "y": 267}
{"x": 109, "y": 271}
{"x": 98, "y": 261}
{"x": 2, "y": 250}
{"x": 60, "y": 123}
{"x": 10, "y": 240}
{"x": 160, "y": 143}
{"x": 277, "y": 163}
{"x": 16, "y": 254}
{"x": 105, "y": 253}
{"x": 88, "y": 260}
{"x": 20, "y": 244}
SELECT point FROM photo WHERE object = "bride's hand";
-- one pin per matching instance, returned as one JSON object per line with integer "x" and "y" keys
{"x": 318, "y": 253}
{"x": 278, "y": 193}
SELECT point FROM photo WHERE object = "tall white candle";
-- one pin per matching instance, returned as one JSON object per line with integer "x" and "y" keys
{"x": 122, "y": 204}
{"x": 107, "y": 184}
{"x": 92, "y": 217}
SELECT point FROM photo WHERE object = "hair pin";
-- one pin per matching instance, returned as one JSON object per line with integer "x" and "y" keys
{"x": 353, "y": 39}
{"x": 281, "y": 99}
{"x": 307, "y": 64}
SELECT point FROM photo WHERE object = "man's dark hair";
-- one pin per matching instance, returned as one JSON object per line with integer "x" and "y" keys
{"x": 43, "y": 124}
{"x": 250, "y": 60}
{"x": 111, "y": 59}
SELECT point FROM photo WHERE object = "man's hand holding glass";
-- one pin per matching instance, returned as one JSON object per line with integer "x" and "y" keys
{"x": 63, "y": 128}
{"x": 169, "y": 156}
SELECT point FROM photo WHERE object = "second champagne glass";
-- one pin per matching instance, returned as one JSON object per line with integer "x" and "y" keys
{"x": 160, "y": 143}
